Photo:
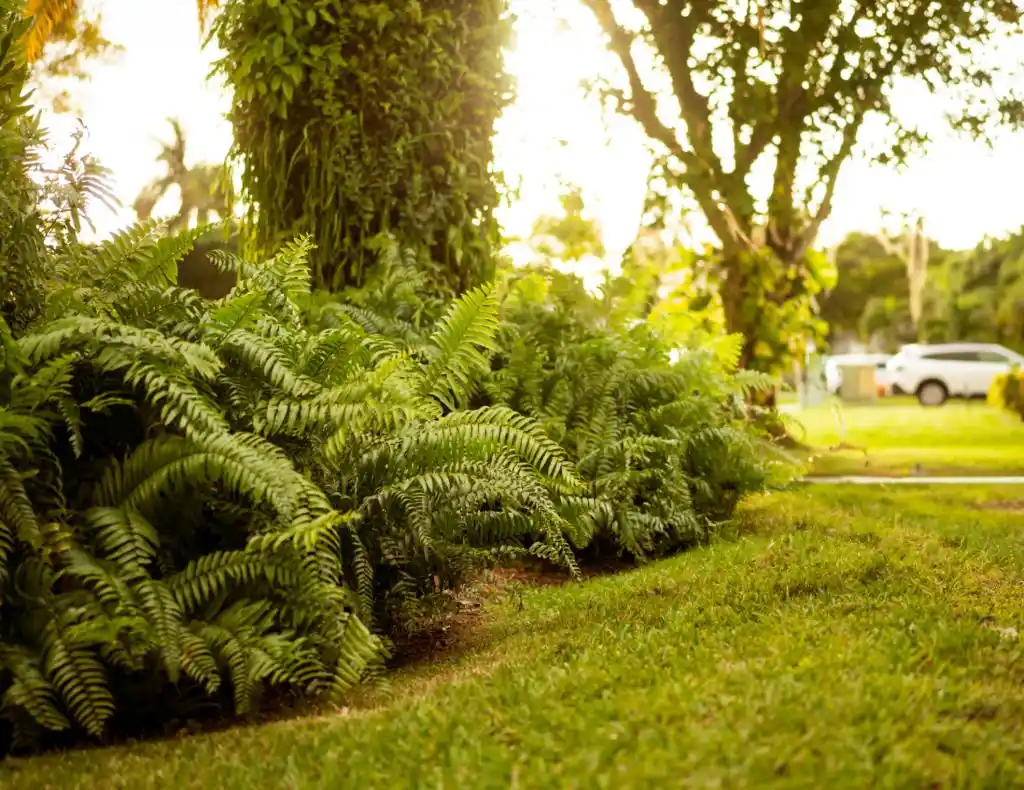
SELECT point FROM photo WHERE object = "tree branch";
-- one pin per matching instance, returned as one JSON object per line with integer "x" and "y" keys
{"x": 763, "y": 133}
{"x": 793, "y": 101}
{"x": 674, "y": 36}
{"x": 700, "y": 175}
{"x": 645, "y": 108}
{"x": 830, "y": 175}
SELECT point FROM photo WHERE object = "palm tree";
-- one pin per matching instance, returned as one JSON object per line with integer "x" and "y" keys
{"x": 52, "y": 16}
{"x": 202, "y": 186}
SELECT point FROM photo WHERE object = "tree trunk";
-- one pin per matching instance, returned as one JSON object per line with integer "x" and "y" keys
{"x": 740, "y": 320}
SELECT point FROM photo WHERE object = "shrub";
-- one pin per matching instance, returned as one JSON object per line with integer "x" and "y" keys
{"x": 665, "y": 449}
{"x": 1007, "y": 392}
{"x": 202, "y": 495}
{"x": 148, "y": 546}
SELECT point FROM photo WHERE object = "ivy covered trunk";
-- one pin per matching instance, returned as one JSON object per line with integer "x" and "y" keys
{"x": 354, "y": 119}
{"x": 770, "y": 301}
{"x": 768, "y": 297}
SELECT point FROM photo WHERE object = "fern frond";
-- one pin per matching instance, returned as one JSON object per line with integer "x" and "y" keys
{"x": 356, "y": 650}
{"x": 364, "y": 575}
{"x": 197, "y": 661}
{"x": 157, "y": 600}
{"x": 125, "y": 537}
{"x": 204, "y": 579}
{"x": 18, "y": 519}
{"x": 101, "y": 577}
{"x": 469, "y": 325}
{"x": 247, "y": 465}
{"x": 497, "y": 427}
{"x": 267, "y": 359}
{"x": 29, "y": 687}
{"x": 79, "y": 677}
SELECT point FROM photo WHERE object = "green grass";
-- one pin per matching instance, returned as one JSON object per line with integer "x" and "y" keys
{"x": 842, "y": 638}
{"x": 901, "y": 437}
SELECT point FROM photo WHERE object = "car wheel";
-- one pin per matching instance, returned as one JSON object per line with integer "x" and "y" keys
{"x": 932, "y": 393}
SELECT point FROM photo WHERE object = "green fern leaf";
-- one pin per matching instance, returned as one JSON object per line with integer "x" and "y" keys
{"x": 29, "y": 688}
{"x": 469, "y": 326}
{"x": 80, "y": 678}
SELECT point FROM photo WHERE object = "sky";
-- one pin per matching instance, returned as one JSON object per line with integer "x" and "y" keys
{"x": 552, "y": 133}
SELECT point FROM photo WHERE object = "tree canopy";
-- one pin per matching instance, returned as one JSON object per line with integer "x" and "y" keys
{"x": 63, "y": 20}
{"x": 770, "y": 99}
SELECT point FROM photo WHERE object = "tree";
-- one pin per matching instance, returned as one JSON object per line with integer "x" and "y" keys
{"x": 73, "y": 42}
{"x": 354, "y": 120}
{"x": 871, "y": 290}
{"x": 795, "y": 81}
{"x": 655, "y": 283}
{"x": 61, "y": 39}
{"x": 912, "y": 249}
{"x": 203, "y": 188}
{"x": 978, "y": 295}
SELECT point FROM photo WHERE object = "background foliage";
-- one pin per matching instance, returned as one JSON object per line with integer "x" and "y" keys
{"x": 665, "y": 449}
{"x": 970, "y": 295}
{"x": 1007, "y": 392}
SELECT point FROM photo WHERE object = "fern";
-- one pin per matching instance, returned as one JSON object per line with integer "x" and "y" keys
{"x": 182, "y": 539}
{"x": 662, "y": 450}
{"x": 457, "y": 346}
{"x": 224, "y": 495}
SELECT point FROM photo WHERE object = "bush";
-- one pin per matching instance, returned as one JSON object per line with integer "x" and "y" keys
{"x": 665, "y": 448}
{"x": 1007, "y": 392}
{"x": 665, "y": 451}
{"x": 201, "y": 495}
{"x": 150, "y": 545}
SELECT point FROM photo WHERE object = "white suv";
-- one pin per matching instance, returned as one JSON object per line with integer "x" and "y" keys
{"x": 937, "y": 372}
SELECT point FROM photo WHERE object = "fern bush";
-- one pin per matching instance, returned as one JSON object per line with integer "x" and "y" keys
{"x": 142, "y": 535}
{"x": 220, "y": 497}
{"x": 665, "y": 447}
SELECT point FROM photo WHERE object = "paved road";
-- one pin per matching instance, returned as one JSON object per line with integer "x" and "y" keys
{"x": 921, "y": 480}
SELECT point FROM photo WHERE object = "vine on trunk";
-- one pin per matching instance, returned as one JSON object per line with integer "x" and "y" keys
{"x": 357, "y": 118}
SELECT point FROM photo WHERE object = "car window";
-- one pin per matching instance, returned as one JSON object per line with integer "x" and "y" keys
{"x": 953, "y": 356}
{"x": 993, "y": 356}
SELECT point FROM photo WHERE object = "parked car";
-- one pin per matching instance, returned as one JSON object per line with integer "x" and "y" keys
{"x": 935, "y": 373}
{"x": 834, "y": 366}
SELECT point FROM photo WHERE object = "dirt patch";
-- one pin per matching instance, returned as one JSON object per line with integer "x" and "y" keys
{"x": 452, "y": 627}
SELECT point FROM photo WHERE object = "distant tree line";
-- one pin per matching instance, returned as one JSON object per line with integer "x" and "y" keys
{"x": 973, "y": 295}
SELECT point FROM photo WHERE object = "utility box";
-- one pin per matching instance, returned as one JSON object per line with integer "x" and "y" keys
{"x": 858, "y": 383}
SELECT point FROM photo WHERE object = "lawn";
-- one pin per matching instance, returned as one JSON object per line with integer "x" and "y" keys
{"x": 900, "y": 437}
{"x": 839, "y": 637}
